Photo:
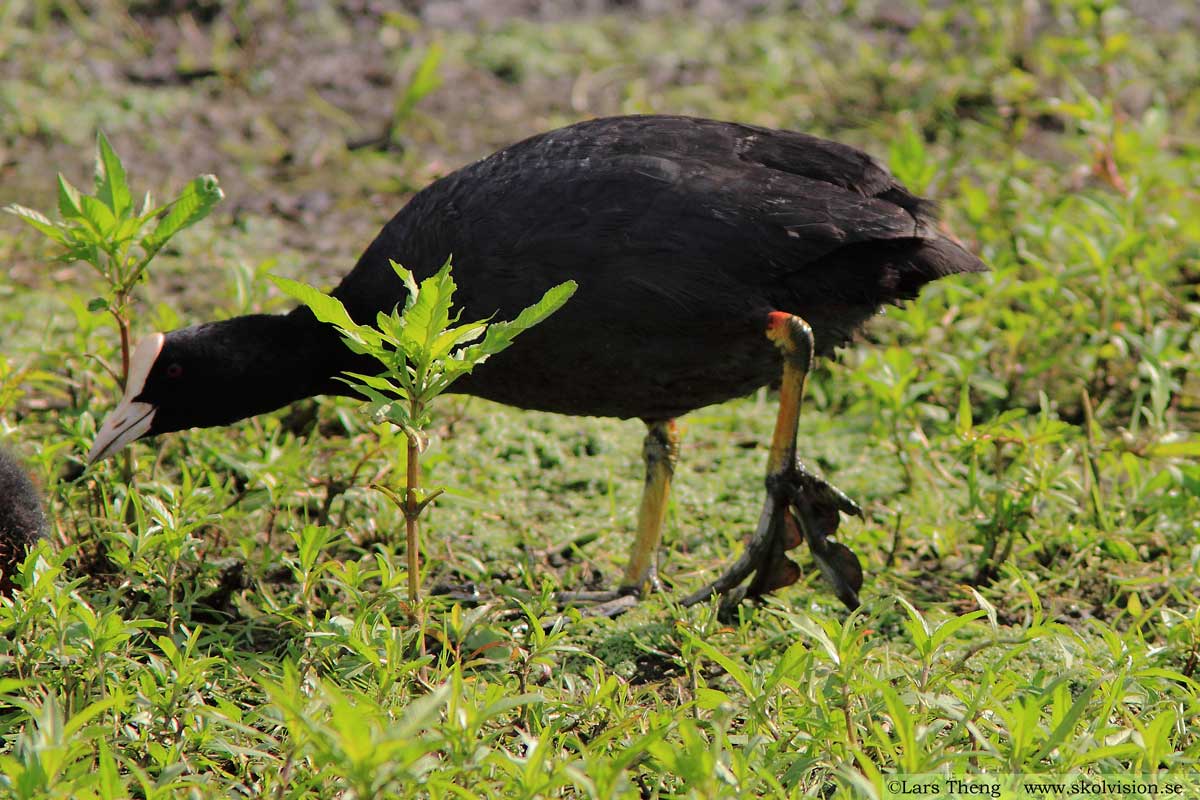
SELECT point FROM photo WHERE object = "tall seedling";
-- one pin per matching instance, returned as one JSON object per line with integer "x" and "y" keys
{"x": 117, "y": 239}
{"x": 423, "y": 348}
{"x": 107, "y": 231}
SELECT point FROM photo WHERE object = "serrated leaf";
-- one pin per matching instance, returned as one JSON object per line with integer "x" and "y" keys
{"x": 428, "y": 315}
{"x": 325, "y": 307}
{"x": 111, "y": 186}
{"x": 501, "y": 334}
{"x": 40, "y": 221}
{"x": 68, "y": 199}
{"x": 377, "y": 398}
{"x": 193, "y": 204}
{"x": 456, "y": 336}
{"x": 98, "y": 216}
{"x": 377, "y": 382}
{"x": 126, "y": 229}
{"x": 97, "y": 304}
{"x": 410, "y": 283}
{"x": 329, "y": 310}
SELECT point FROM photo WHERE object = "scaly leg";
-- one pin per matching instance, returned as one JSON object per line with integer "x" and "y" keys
{"x": 798, "y": 504}
{"x": 660, "y": 450}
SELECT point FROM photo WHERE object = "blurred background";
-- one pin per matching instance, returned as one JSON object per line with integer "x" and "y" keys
{"x": 1023, "y": 442}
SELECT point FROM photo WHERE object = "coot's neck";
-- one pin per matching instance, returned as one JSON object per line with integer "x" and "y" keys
{"x": 265, "y": 362}
{"x": 324, "y": 355}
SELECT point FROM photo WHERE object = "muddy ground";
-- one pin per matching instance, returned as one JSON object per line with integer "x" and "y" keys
{"x": 282, "y": 106}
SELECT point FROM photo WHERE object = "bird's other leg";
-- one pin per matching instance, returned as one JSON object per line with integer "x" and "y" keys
{"x": 660, "y": 450}
{"x": 799, "y": 505}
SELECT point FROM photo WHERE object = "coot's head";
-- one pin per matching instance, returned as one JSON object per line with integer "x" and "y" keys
{"x": 162, "y": 387}
{"x": 216, "y": 374}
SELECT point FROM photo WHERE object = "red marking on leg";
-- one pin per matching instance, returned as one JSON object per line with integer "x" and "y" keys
{"x": 777, "y": 319}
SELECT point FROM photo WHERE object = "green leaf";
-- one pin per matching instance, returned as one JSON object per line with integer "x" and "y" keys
{"x": 326, "y": 307}
{"x": 380, "y": 383}
{"x": 111, "y": 186}
{"x": 988, "y": 609}
{"x": 456, "y": 336}
{"x": 500, "y": 334}
{"x": 1119, "y": 548}
{"x": 97, "y": 304}
{"x": 731, "y": 667}
{"x": 1068, "y": 722}
{"x": 424, "y": 81}
{"x": 709, "y": 699}
{"x": 1183, "y": 448}
{"x": 39, "y": 221}
{"x": 427, "y": 316}
{"x": 410, "y": 283}
{"x": 98, "y": 216}
{"x": 192, "y": 205}
{"x": 952, "y": 626}
{"x": 68, "y": 199}
{"x": 917, "y": 626}
{"x": 910, "y": 160}
{"x": 965, "y": 420}
{"x": 379, "y": 401}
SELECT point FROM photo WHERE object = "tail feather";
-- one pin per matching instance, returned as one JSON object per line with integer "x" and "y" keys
{"x": 843, "y": 290}
{"x": 890, "y": 270}
{"x": 926, "y": 261}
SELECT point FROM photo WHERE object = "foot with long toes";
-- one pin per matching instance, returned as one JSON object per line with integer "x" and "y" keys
{"x": 799, "y": 506}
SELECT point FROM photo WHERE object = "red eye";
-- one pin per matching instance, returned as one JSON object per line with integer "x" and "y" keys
{"x": 174, "y": 370}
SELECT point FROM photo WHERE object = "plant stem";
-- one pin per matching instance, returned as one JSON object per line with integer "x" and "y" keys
{"x": 411, "y": 513}
{"x": 117, "y": 311}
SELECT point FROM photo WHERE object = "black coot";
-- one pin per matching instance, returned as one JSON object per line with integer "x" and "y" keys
{"x": 21, "y": 519}
{"x": 683, "y": 234}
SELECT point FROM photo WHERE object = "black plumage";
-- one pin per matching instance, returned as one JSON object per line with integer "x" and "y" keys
{"x": 22, "y": 521}
{"x": 683, "y": 236}
{"x": 681, "y": 233}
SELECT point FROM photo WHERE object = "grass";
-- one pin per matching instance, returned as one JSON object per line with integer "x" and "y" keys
{"x": 233, "y": 622}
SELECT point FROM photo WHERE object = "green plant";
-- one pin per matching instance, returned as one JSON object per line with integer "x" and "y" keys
{"x": 247, "y": 647}
{"x": 106, "y": 231}
{"x": 423, "y": 349}
{"x": 423, "y": 82}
